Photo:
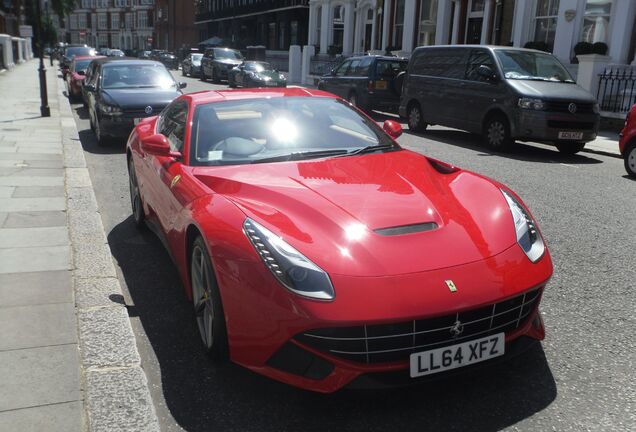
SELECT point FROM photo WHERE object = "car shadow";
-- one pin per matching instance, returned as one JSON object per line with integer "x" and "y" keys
{"x": 89, "y": 144}
{"x": 81, "y": 110}
{"x": 202, "y": 395}
{"x": 520, "y": 151}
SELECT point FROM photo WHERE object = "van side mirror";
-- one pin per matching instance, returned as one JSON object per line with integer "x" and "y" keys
{"x": 487, "y": 73}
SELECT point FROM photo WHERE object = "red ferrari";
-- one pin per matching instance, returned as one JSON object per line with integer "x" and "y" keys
{"x": 320, "y": 253}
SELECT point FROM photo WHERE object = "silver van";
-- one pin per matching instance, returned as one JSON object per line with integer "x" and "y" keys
{"x": 503, "y": 93}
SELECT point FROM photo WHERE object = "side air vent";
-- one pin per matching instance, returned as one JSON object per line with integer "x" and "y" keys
{"x": 407, "y": 229}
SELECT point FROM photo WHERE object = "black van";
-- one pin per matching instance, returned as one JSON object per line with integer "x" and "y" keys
{"x": 503, "y": 93}
{"x": 368, "y": 82}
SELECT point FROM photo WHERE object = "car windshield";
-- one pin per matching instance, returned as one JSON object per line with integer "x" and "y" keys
{"x": 221, "y": 53}
{"x": 81, "y": 65}
{"x": 257, "y": 67}
{"x": 528, "y": 65}
{"x": 278, "y": 129}
{"x": 79, "y": 51}
{"x": 136, "y": 76}
{"x": 196, "y": 57}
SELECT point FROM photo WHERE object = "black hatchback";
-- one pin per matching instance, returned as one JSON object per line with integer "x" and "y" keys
{"x": 368, "y": 82}
{"x": 121, "y": 92}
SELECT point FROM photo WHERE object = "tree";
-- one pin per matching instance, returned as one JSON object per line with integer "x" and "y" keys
{"x": 63, "y": 7}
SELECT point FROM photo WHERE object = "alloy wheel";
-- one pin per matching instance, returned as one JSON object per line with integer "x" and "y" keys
{"x": 415, "y": 121}
{"x": 202, "y": 295}
{"x": 496, "y": 134}
{"x": 630, "y": 160}
{"x": 135, "y": 196}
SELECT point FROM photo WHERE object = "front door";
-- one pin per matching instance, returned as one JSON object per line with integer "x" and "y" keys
{"x": 473, "y": 32}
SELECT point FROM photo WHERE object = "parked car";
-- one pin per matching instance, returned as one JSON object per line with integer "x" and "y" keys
{"x": 144, "y": 54}
{"x": 368, "y": 82}
{"x": 191, "y": 65}
{"x": 503, "y": 93}
{"x": 104, "y": 51}
{"x": 627, "y": 142}
{"x": 122, "y": 92}
{"x": 217, "y": 62}
{"x": 71, "y": 51}
{"x": 255, "y": 74}
{"x": 116, "y": 53}
{"x": 316, "y": 251}
{"x": 76, "y": 74}
{"x": 169, "y": 60}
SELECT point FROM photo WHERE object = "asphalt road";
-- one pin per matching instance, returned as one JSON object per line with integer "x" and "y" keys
{"x": 581, "y": 378}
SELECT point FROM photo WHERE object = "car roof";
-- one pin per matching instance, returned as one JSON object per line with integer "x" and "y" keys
{"x": 210, "y": 96}
{"x": 127, "y": 60}
{"x": 378, "y": 57}
{"x": 87, "y": 57}
{"x": 489, "y": 47}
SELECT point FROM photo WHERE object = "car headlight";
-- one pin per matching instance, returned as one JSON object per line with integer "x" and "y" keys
{"x": 533, "y": 104}
{"x": 526, "y": 230}
{"x": 109, "y": 109}
{"x": 290, "y": 267}
{"x": 281, "y": 76}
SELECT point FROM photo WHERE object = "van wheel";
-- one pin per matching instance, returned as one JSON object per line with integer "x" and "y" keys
{"x": 414, "y": 116}
{"x": 570, "y": 148}
{"x": 497, "y": 133}
{"x": 630, "y": 159}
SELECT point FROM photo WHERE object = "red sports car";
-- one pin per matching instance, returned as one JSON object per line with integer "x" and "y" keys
{"x": 627, "y": 142}
{"x": 320, "y": 253}
{"x": 76, "y": 75}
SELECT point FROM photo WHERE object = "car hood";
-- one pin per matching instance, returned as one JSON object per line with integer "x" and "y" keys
{"x": 331, "y": 209}
{"x": 270, "y": 74}
{"x": 551, "y": 90}
{"x": 139, "y": 97}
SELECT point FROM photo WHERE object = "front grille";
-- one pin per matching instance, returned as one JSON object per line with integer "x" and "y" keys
{"x": 561, "y": 124}
{"x": 380, "y": 343}
{"x": 141, "y": 112}
{"x": 563, "y": 106}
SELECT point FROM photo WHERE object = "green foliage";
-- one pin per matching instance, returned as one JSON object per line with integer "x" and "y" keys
{"x": 583, "y": 48}
{"x": 63, "y": 7}
{"x": 599, "y": 48}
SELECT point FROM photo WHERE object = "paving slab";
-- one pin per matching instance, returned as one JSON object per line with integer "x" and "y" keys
{"x": 30, "y": 156}
{"x": 61, "y": 417}
{"x": 31, "y": 181}
{"x": 17, "y": 260}
{"x": 32, "y": 172}
{"x": 38, "y": 191}
{"x": 33, "y": 237}
{"x": 6, "y": 191}
{"x": 33, "y": 219}
{"x": 32, "y": 204}
{"x": 37, "y": 325}
{"x": 22, "y": 289}
{"x": 39, "y": 376}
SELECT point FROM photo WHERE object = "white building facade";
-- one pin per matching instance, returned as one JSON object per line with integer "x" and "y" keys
{"x": 123, "y": 24}
{"x": 356, "y": 26}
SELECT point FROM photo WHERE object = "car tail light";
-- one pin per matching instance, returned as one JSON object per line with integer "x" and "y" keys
{"x": 371, "y": 85}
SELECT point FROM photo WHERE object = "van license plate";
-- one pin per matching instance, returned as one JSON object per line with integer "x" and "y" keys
{"x": 571, "y": 135}
{"x": 459, "y": 355}
{"x": 380, "y": 85}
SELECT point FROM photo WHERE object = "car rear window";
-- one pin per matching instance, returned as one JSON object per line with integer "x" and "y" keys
{"x": 389, "y": 69}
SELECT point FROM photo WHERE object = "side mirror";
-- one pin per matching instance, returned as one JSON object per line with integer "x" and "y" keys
{"x": 487, "y": 73}
{"x": 183, "y": 85}
{"x": 82, "y": 73}
{"x": 332, "y": 72}
{"x": 157, "y": 145}
{"x": 392, "y": 128}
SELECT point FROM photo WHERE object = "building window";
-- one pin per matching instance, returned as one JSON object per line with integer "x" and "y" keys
{"x": 103, "y": 40}
{"x": 428, "y": 22}
{"x": 338, "y": 25}
{"x": 86, "y": 4}
{"x": 398, "y": 25}
{"x": 114, "y": 20}
{"x": 142, "y": 19}
{"x": 282, "y": 34}
{"x": 129, "y": 20}
{"x": 545, "y": 21}
{"x": 120, "y": 3}
{"x": 101, "y": 21}
{"x": 477, "y": 6}
{"x": 73, "y": 22}
{"x": 271, "y": 35}
{"x": 293, "y": 33}
{"x": 596, "y": 21}
{"x": 81, "y": 21}
{"x": 102, "y": 3}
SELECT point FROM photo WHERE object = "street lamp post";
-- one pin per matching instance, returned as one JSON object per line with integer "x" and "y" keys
{"x": 48, "y": 21}
{"x": 45, "y": 111}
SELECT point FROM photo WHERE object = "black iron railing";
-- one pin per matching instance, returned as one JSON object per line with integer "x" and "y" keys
{"x": 617, "y": 89}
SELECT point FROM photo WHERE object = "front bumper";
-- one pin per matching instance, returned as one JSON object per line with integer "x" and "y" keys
{"x": 120, "y": 126}
{"x": 542, "y": 126}
{"x": 264, "y": 319}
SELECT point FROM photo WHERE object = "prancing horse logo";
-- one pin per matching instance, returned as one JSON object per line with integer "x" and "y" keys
{"x": 451, "y": 285}
{"x": 457, "y": 328}
{"x": 148, "y": 109}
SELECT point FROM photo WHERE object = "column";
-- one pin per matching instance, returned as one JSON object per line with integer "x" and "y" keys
{"x": 325, "y": 27}
{"x": 308, "y": 53}
{"x": 485, "y": 24}
{"x": 619, "y": 40}
{"x": 357, "y": 34}
{"x": 311, "y": 37}
{"x": 386, "y": 17}
{"x": 565, "y": 31}
{"x": 409, "y": 25}
{"x": 523, "y": 16}
{"x": 455, "y": 36}
{"x": 374, "y": 30}
{"x": 347, "y": 40}
{"x": 7, "y": 51}
{"x": 442, "y": 32}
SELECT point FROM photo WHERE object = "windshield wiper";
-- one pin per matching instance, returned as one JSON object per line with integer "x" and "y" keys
{"x": 371, "y": 149}
{"x": 301, "y": 155}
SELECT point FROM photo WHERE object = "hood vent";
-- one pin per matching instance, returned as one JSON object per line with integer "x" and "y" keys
{"x": 407, "y": 229}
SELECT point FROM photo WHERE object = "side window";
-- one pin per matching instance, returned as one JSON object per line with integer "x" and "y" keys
{"x": 342, "y": 69}
{"x": 478, "y": 58}
{"x": 447, "y": 63}
{"x": 363, "y": 67}
{"x": 352, "y": 67}
{"x": 173, "y": 124}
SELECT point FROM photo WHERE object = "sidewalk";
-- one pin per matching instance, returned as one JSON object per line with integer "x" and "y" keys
{"x": 68, "y": 359}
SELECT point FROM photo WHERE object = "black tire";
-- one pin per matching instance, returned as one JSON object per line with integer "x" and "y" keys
{"x": 414, "y": 117}
{"x": 183, "y": 72}
{"x": 496, "y": 133}
{"x": 321, "y": 86}
{"x": 136, "y": 203}
{"x": 397, "y": 83}
{"x": 231, "y": 83}
{"x": 203, "y": 77}
{"x": 213, "y": 332}
{"x": 99, "y": 136}
{"x": 630, "y": 159}
{"x": 215, "y": 78}
{"x": 570, "y": 148}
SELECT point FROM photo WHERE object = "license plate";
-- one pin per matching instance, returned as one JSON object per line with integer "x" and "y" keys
{"x": 271, "y": 83}
{"x": 459, "y": 355}
{"x": 380, "y": 85}
{"x": 137, "y": 120}
{"x": 571, "y": 135}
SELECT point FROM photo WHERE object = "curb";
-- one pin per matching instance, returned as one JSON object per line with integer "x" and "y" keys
{"x": 116, "y": 393}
